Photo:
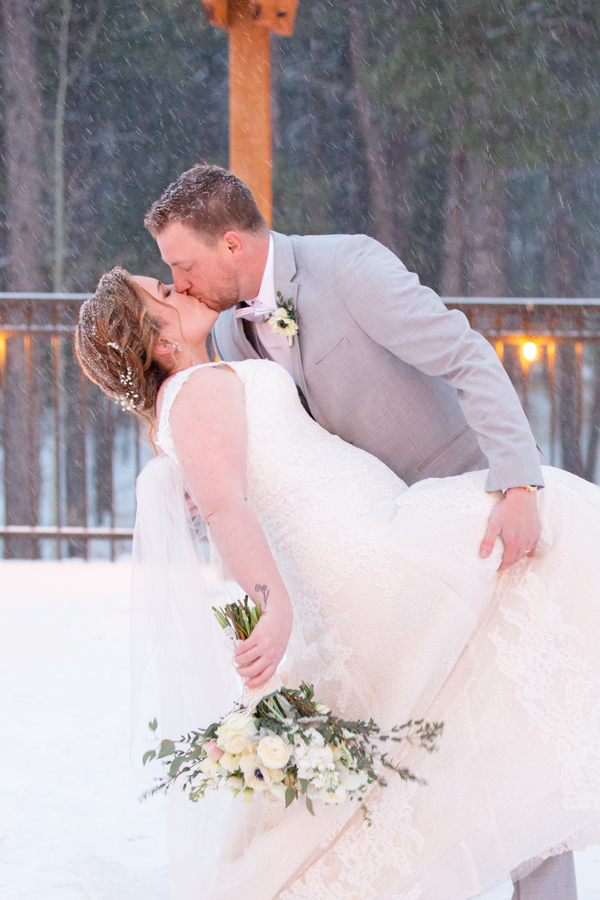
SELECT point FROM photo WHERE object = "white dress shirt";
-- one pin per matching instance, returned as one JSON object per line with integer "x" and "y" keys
{"x": 275, "y": 345}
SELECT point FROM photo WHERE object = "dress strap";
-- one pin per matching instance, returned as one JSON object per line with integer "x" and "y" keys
{"x": 172, "y": 388}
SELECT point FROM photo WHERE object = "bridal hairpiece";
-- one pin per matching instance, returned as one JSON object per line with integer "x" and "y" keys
{"x": 128, "y": 401}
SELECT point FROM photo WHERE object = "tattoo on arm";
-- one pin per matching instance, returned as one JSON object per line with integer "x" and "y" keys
{"x": 264, "y": 590}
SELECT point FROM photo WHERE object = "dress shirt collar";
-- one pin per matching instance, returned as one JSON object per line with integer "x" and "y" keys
{"x": 266, "y": 294}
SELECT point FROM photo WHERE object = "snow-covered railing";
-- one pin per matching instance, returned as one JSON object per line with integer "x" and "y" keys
{"x": 70, "y": 457}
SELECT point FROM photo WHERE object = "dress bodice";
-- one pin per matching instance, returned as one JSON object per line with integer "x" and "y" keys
{"x": 292, "y": 461}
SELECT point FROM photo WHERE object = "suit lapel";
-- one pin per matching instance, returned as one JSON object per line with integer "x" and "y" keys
{"x": 240, "y": 341}
{"x": 284, "y": 270}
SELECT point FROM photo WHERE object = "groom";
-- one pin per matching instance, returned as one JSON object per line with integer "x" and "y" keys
{"x": 378, "y": 360}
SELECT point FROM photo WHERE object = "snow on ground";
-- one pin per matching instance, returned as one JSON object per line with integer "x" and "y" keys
{"x": 69, "y": 810}
{"x": 67, "y": 789}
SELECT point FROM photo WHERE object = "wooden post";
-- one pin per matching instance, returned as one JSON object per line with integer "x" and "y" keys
{"x": 249, "y": 23}
{"x": 250, "y": 103}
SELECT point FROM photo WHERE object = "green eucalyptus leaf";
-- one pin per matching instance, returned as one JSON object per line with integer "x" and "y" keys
{"x": 167, "y": 748}
{"x": 175, "y": 766}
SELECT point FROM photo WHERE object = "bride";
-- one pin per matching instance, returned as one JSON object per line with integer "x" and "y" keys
{"x": 377, "y": 595}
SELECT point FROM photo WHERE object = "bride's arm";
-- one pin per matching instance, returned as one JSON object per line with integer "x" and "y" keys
{"x": 208, "y": 425}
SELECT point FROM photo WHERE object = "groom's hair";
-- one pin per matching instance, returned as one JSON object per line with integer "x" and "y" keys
{"x": 209, "y": 199}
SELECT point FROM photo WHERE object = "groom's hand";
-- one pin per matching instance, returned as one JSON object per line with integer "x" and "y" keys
{"x": 516, "y": 520}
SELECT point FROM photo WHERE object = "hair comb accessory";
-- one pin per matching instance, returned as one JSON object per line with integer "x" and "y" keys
{"x": 129, "y": 399}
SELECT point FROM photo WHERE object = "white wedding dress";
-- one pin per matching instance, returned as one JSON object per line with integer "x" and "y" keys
{"x": 395, "y": 617}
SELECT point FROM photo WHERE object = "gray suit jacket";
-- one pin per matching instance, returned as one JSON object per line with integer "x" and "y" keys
{"x": 383, "y": 364}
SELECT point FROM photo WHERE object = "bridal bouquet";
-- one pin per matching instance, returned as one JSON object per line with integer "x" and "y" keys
{"x": 288, "y": 746}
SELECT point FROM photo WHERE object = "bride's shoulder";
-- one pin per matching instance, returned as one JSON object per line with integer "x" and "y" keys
{"x": 216, "y": 383}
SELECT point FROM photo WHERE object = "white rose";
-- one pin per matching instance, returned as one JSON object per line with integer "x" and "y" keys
{"x": 235, "y": 731}
{"x": 277, "y": 775}
{"x": 273, "y": 751}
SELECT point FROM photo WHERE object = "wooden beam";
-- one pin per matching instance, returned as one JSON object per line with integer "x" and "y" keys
{"x": 250, "y": 102}
{"x": 276, "y": 15}
{"x": 249, "y": 23}
{"x": 216, "y": 13}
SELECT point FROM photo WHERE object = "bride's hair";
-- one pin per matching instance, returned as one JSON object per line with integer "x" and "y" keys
{"x": 115, "y": 340}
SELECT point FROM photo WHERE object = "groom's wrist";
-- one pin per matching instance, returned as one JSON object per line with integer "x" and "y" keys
{"x": 521, "y": 489}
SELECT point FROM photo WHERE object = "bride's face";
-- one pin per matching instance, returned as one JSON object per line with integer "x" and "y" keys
{"x": 182, "y": 319}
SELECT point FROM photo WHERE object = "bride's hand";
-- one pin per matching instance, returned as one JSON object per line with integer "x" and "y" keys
{"x": 259, "y": 655}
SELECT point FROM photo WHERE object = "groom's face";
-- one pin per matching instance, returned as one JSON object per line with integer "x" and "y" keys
{"x": 201, "y": 269}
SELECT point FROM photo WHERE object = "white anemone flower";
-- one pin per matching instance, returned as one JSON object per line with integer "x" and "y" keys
{"x": 281, "y": 323}
{"x": 256, "y": 775}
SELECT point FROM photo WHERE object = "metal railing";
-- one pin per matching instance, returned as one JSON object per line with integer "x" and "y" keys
{"x": 550, "y": 348}
{"x": 69, "y": 456}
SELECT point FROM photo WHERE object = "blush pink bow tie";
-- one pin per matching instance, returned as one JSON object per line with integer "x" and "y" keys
{"x": 254, "y": 313}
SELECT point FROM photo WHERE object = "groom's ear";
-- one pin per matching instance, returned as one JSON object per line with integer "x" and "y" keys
{"x": 233, "y": 243}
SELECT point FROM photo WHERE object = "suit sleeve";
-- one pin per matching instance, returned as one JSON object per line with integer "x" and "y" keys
{"x": 394, "y": 309}
{"x": 215, "y": 341}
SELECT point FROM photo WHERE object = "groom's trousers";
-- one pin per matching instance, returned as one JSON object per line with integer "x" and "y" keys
{"x": 554, "y": 879}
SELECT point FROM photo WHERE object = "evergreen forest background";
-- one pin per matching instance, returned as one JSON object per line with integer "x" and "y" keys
{"x": 463, "y": 134}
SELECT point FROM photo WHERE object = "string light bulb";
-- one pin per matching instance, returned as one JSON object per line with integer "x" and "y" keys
{"x": 529, "y": 351}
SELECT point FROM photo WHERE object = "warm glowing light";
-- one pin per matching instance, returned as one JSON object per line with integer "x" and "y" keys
{"x": 529, "y": 351}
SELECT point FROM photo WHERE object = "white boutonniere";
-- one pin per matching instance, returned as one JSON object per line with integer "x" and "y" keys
{"x": 285, "y": 318}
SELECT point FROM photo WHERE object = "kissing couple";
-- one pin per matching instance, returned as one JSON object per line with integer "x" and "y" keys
{"x": 368, "y": 477}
